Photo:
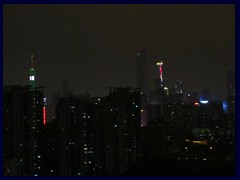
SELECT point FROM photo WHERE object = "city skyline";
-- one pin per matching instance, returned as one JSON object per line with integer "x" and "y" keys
{"x": 94, "y": 47}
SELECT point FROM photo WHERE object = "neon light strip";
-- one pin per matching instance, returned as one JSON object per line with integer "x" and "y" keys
{"x": 44, "y": 116}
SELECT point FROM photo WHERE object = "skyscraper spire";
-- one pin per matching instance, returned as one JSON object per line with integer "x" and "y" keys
{"x": 32, "y": 61}
{"x": 160, "y": 72}
{"x": 32, "y": 73}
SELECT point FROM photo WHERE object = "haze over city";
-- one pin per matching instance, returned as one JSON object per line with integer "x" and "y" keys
{"x": 93, "y": 47}
{"x": 119, "y": 90}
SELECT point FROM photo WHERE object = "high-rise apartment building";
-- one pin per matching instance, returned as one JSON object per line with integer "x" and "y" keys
{"x": 74, "y": 116}
{"x": 122, "y": 128}
{"x": 23, "y": 121}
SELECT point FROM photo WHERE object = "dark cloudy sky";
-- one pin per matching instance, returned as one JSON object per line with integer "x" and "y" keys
{"x": 94, "y": 47}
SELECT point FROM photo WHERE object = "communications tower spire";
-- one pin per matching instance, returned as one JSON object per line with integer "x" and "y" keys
{"x": 32, "y": 73}
{"x": 160, "y": 72}
{"x": 32, "y": 61}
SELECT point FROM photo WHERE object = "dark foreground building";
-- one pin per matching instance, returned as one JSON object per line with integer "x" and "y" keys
{"x": 23, "y": 122}
{"x": 99, "y": 136}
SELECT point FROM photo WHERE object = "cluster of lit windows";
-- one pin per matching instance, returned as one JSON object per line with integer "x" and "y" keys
{"x": 31, "y": 78}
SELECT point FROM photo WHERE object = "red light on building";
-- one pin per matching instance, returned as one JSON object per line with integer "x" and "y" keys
{"x": 44, "y": 116}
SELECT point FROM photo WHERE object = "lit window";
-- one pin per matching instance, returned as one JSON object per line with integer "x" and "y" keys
{"x": 31, "y": 78}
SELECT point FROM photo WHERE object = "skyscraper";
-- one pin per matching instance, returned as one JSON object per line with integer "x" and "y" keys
{"x": 32, "y": 74}
{"x": 159, "y": 79}
{"x": 158, "y": 96}
{"x": 122, "y": 128}
{"x": 142, "y": 71}
{"x": 74, "y": 116}
{"x": 23, "y": 122}
{"x": 24, "y": 115}
{"x": 142, "y": 82}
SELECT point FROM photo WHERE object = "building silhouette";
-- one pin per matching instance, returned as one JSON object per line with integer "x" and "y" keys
{"x": 99, "y": 136}
{"x": 142, "y": 70}
{"x": 231, "y": 100}
{"x": 74, "y": 116}
{"x": 23, "y": 122}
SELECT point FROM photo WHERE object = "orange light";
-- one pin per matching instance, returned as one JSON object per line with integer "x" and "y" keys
{"x": 196, "y": 104}
{"x": 204, "y": 142}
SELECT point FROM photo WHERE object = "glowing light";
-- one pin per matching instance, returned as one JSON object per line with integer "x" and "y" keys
{"x": 204, "y": 142}
{"x": 204, "y": 101}
{"x": 31, "y": 78}
{"x": 141, "y": 110}
{"x": 196, "y": 104}
{"x": 44, "y": 116}
{"x": 159, "y": 63}
{"x": 225, "y": 106}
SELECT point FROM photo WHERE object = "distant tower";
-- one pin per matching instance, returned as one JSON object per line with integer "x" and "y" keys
{"x": 142, "y": 70}
{"x": 159, "y": 79}
{"x": 32, "y": 73}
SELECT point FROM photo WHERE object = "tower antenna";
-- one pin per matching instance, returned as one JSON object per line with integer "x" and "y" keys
{"x": 32, "y": 60}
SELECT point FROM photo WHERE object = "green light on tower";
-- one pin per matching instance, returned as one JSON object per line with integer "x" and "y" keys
{"x": 32, "y": 77}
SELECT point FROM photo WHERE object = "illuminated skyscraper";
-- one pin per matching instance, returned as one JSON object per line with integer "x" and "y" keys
{"x": 159, "y": 79}
{"x": 142, "y": 70}
{"x": 32, "y": 73}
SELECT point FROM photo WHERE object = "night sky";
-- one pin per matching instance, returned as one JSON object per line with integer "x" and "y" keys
{"x": 94, "y": 47}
